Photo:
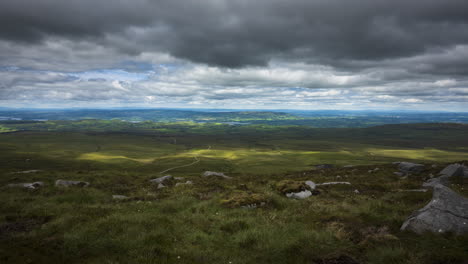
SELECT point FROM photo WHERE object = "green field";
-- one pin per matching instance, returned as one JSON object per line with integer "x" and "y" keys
{"x": 198, "y": 223}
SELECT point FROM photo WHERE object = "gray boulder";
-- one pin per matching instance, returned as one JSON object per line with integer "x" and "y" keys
{"x": 32, "y": 185}
{"x": 161, "y": 179}
{"x": 446, "y": 212}
{"x": 453, "y": 170}
{"x": 217, "y": 174}
{"x": 65, "y": 183}
{"x": 408, "y": 167}
{"x": 299, "y": 195}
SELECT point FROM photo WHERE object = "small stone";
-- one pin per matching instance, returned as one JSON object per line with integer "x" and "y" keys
{"x": 161, "y": 179}
{"x": 65, "y": 183}
{"x": 119, "y": 197}
{"x": 217, "y": 174}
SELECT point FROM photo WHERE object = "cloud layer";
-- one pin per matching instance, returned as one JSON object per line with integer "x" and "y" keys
{"x": 217, "y": 53}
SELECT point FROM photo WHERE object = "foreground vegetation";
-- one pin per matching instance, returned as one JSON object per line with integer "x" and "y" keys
{"x": 204, "y": 222}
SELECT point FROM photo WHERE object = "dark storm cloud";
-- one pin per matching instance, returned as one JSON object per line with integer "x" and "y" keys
{"x": 241, "y": 33}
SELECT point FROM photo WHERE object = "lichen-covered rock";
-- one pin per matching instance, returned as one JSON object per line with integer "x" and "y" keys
{"x": 408, "y": 167}
{"x": 65, "y": 183}
{"x": 446, "y": 212}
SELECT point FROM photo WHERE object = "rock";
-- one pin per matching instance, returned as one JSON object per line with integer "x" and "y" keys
{"x": 408, "y": 167}
{"x": 65, "y": 183}
{"x": 446, "y": 212}
{"x": 26, "y": 171}
{"x": 398, "y": 173}
{"x": 333, "y": 183}
{"x": 453, "y": 170}
{"x": 184, "y": 183}
{"x": 217, "y": 174}
{"x": 299, "y": 195}
{"x": 324, "y": 166}
{"x": 311, "y": 184}
{"x": 161, "y": 179}
{"x": 119, "y": 197}
{"x": 396, "y": 162}
{"x": 179, "y": 178}
{"x": 357, "y": 191}
{"x": 160, "y": 186}
{"x": 443, "y": 180}
{"x": 32, "y": 185}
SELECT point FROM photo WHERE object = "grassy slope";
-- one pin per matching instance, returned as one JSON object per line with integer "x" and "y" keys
{"x": 188, "y": 224}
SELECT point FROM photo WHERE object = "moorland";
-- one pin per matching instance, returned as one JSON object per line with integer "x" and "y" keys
{"x": 208, "y": 221}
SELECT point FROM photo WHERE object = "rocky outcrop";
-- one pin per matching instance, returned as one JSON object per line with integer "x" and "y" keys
{"x": 446, "y": 212}
{"x": 408, "y": 167}
{"x": 453, "y": 170}
{"x": 65, "y": 183}
{"x": 216, "y": 174}
{"x": 32, "y": 185}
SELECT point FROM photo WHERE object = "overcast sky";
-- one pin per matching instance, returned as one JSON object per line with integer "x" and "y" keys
{"x": 299, "y": 54}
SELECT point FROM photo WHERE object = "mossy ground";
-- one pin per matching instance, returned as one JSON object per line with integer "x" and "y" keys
{"x": 191, "y": 223}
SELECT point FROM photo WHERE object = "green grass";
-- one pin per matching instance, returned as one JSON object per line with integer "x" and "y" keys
{"x": 202, "y": 223}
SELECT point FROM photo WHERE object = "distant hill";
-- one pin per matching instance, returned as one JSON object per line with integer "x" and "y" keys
{"x": 235, "y": 117}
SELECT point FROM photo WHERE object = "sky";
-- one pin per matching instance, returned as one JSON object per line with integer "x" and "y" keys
{"x": 243, "y": 54}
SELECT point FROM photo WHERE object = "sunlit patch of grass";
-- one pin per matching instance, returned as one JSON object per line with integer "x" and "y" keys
{"x": 419, "y": 154}
{"x": 103, "y": 157}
